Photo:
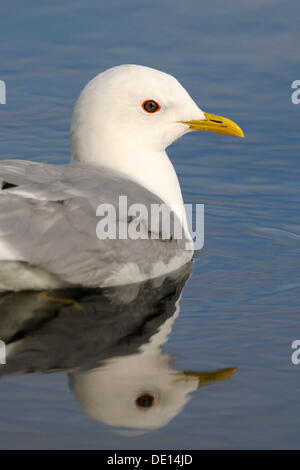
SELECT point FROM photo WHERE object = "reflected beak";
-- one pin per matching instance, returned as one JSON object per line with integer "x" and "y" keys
{"x": 211, "y": 377}
{"x": 214, "y": 123}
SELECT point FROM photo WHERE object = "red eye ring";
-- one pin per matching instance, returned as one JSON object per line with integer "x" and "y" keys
{"x": 151, "y": 106}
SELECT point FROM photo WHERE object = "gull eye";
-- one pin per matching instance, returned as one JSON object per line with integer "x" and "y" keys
{"x": 146, "y": 400}
{"x": 150, "y": 106}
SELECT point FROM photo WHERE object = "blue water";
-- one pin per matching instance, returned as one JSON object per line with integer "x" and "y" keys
{"x": 240, "y": 307}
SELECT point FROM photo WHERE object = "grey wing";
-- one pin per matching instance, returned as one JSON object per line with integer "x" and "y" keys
{"x": 20, "y": 172}
{"x": 48, "y": 220}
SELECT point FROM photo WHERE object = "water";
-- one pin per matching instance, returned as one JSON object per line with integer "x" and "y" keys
{"x": 240, "y": 307}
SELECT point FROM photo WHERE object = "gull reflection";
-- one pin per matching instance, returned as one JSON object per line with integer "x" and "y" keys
{"x": 109, "y": 341}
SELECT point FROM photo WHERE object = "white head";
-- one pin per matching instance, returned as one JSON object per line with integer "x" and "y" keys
{"x": 112, "y": 125}
{"x": 109, "y": 115}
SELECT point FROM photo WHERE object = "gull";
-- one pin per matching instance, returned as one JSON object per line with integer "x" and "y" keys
{"x": 122, "y": 123}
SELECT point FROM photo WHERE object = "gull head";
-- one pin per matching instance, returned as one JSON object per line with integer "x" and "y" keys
{"x": 135, "y": 110}
{"x": 126, "y": 117}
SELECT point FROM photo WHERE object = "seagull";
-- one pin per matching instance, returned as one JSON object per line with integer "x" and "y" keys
{"x": 122, "y": 122}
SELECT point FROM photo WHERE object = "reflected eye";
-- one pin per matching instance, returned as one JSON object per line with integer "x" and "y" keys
{"x": 151, "y": 106}
{"x": 145, "y": 401}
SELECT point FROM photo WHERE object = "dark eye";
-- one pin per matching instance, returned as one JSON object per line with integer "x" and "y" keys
{"x": 150, "y": 106}
{"x": 145, "y": 401}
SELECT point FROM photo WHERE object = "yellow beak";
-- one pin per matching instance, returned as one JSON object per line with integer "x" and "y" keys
{"x": 214, "y": 123}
